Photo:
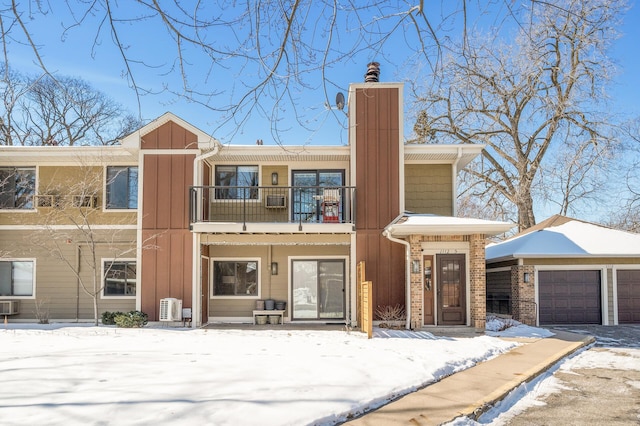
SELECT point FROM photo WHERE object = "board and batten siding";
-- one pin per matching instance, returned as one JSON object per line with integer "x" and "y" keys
{"x": 377, "y": 157}
{"x": 166, "y": 269}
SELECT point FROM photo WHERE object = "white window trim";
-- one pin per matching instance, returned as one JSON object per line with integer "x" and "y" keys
{"x": 33, "y": 209}
{"x": 235, "y": 259}
{"x": 104, "y": 192}
{"x": 102, "y": 275}
{"x": 33, "y": 278}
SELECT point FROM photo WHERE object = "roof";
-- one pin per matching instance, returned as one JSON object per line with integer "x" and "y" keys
{"x": 563, "y": 237}
{"x": 429, "y": 224}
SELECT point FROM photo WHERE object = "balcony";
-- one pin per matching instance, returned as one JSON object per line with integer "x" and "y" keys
{"x": 272, "y": 209}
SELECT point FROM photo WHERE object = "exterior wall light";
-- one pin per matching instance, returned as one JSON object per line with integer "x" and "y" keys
{"x": 274, "y": 268}
{"x": 527, "y": 277}
{"x": 274, "y": 178}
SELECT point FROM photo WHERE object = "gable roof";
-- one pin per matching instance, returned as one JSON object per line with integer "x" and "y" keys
{"x": 133, "y": 139}
{"x": 564, "y": 237}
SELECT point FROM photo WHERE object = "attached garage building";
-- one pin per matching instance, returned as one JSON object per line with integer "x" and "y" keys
{"x": 566, "y": 271}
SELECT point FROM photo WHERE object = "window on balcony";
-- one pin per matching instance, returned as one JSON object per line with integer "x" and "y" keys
{"x": 233, "y": 278}
{"x": 122, "y": 187}
{"x": 119, "y": 278}
{"x": 310, "y": 201}
{"x": 17, "y": 187}
{"x": 237, "y": 182}
{"x": 16, "y": 278}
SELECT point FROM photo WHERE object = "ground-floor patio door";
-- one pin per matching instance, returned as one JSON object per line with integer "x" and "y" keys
{"x": 451, "y": 276}
{"x": 318, "y": 289}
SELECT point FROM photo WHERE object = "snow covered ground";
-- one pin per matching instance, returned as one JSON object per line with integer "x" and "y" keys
{"x": 82, "y": 375}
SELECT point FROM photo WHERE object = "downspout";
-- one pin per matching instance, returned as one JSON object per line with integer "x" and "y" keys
{"x": 407, "y": 273}
{"x": 454, "y": 177}
{"x": 196, "y": 314}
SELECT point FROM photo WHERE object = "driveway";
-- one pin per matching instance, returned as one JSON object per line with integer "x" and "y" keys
{"x": 600, "y": 386}
{"x": 608, "y": 336}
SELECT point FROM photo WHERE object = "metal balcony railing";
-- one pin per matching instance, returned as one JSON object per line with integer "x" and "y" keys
{"x": 272, "y": 204}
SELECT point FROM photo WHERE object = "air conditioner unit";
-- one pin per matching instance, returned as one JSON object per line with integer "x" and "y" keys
{"x": 170, "y": 309}
{"x": 85, "y": 201}
{"x": 9, "y": 307}
{"x": 275, "y": 202}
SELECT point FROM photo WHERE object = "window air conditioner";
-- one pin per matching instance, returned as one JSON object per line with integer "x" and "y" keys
{"x": 85, "y": 201}
{"x": 275, "y": 201}
{"x": 9, "y": 307}
{"x": 170, "y": 309}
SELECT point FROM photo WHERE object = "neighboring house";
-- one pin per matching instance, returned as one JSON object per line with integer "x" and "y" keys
{"x": 221, "y": 227}
{"x": 566, "y": 271}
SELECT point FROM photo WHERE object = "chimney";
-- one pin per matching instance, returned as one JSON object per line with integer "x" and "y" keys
{"x": 373, "y": 73}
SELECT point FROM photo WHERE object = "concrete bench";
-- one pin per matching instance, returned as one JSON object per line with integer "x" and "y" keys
{"x": 267, "y": 313}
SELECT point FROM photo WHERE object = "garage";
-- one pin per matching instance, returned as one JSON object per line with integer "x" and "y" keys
{"x": 569, "y": 297}
{"x": 628, "y": 296}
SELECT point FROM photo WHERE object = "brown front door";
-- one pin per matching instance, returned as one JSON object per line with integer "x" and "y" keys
{"x": 451, "y": 289}
{"x": 427, "y": 268}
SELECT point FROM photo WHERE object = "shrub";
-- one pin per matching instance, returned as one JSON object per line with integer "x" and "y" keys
{"x": 133, "y": 319}
{"x": 391, "y": 316}
{"x": 109, "y": 318}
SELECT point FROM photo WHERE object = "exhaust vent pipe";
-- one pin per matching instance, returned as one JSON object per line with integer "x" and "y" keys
{"x": 373, "y": 73}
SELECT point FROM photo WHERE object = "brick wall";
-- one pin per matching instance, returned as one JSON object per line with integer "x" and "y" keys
{"x": 523, "y": 306}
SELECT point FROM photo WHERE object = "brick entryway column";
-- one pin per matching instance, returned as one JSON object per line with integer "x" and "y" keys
{"x": 477, "y": 281}
{"x": 416, "y": 282}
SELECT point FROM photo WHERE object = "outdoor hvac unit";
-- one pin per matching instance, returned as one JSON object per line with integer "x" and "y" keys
{"x": 9, "y": 307}
{"x": 170, "y": 309}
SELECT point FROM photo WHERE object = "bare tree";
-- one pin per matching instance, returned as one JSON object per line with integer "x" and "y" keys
{"x": 269, "y": 53}
{"x": 528, "y": 100}
{"x": 60, "y": 111}
{"x": 81, "y": 244}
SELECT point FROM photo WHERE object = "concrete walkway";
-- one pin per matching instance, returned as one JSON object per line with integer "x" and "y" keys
{"x": 472, "y": 391}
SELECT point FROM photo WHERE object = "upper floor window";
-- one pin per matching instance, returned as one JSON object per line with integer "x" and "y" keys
{"x": 16, "y": 278}
{"x": 122, "y": 187}
{"x": 119, "y": 277}
{"x": 17, "y": 187}
{"x": 240, "y": 182}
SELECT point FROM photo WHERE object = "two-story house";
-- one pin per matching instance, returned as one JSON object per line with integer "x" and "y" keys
{"x": 220, "y": 227}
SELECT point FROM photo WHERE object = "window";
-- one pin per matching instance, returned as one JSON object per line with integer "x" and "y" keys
{"x": 239, "y": 182}
{"x": 17, "y": 187}
{"x": 119, "y": 277}
{"x": 122, "y": 187}
{"x": 16, "y": 278}
{"x": 310, "y": 201}
{"x": 318, "y": 289}
{"x": 235, "y": 278}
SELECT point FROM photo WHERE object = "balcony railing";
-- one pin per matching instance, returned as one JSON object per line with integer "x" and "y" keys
{"x": 272, "y": 204}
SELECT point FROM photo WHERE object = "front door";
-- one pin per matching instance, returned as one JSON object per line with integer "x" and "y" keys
{"x": 427, "y": 268}
{"x": 451, "y": 290}
{"x": 318, "y": 289}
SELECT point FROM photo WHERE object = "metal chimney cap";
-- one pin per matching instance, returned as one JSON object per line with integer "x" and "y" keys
{"x": 373, "y": 72}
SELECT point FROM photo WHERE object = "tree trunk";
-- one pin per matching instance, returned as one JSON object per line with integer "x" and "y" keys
{"x": 526, "y": 218}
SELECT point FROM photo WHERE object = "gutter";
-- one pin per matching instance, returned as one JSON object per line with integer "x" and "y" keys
{"x": 196, "y": 309}
{"x": 407, "y": 272}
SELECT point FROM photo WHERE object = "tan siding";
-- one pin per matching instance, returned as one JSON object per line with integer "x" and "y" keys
{"x": 429, "y": 188}
{"x": 271, "y": 286}
{"x": 57, "y": 287}
{"x": 60, "y": 180}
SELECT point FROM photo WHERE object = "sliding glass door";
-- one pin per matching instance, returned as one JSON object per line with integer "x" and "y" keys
{"x": 318, "y": 289}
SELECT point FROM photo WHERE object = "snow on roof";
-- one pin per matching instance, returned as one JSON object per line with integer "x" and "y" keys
{"x": 573, "y": 238}
{"x": 428, "y": 224}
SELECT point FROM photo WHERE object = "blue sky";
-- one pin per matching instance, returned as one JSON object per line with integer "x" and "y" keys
{"x": 72, "y": 54}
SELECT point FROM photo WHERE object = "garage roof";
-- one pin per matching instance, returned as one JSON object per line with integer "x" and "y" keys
{"x": 428, "y": 224}
{"x": 560, "y": 236}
